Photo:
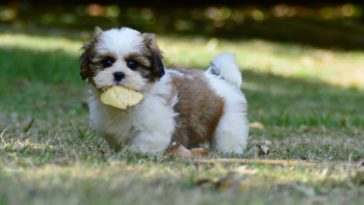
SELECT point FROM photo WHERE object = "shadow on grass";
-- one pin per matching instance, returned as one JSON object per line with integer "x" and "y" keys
{"x": 282, "y": 101}
{"x": 20, "y": 67}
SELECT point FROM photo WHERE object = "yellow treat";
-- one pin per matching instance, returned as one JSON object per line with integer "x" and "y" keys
{"x": 121, "y": 97}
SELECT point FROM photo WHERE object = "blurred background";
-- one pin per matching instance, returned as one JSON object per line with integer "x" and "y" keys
{"x": 327, "y": 23}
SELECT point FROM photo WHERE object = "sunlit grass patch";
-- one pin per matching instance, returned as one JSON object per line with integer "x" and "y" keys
{"x": 38, "y": 43}
{"x": 35, "y": 53}
{"x": 289, "y": 60}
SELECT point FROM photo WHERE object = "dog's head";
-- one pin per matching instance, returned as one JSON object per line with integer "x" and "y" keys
{"x": 123, "y": 57}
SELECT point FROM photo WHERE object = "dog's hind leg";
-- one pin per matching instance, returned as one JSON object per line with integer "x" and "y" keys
{"x": 231, "y": 134}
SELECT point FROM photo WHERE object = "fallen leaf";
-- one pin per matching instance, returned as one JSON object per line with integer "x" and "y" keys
{"x": 262, "y": 150}
{"x": 199, "y": 153}
{"x": 256, "y": 125}
{"x": 178, "y": 150}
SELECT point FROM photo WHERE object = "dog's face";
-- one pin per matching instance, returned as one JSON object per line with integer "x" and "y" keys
{"x": 123, "y": 57}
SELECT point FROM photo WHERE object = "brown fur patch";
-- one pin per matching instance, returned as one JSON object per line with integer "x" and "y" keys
{"x": 86, "y": 59}
{"x": 199, "y": 109}
{"x": 88, "y": 54}
{"x": 151, "y": 50}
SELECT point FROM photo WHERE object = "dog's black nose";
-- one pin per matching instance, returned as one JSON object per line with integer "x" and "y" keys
{"x": 118, "y": 76}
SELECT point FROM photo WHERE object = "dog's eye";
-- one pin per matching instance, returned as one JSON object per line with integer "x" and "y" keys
{"x": 107, "y": 62}
{"x": 132, "y": 64}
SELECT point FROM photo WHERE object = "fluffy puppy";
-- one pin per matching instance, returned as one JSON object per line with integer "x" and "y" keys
{"x": 188, "y": 107}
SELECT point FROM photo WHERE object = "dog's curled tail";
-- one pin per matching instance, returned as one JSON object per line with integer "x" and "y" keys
{"x": 225, "y": 66}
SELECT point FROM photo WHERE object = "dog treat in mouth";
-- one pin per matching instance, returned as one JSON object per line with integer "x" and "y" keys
{"x": 121, "y": 97}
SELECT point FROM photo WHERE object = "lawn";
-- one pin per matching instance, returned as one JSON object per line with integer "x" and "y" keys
{"x": 305, "y": 105}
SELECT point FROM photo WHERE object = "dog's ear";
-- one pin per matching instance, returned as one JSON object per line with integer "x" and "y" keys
{"x": 85, "y": 60}
{"x": 155, "y": 55}
{"x": 97, "y": 32}
{"x": 86, "y": 56}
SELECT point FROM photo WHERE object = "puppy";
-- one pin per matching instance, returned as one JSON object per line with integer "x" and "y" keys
{"x": 182, "y": 106}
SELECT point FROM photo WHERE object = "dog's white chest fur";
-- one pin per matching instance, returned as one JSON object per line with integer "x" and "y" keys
{"x": 146, "y": 127}
{"x": 111, "y": 121}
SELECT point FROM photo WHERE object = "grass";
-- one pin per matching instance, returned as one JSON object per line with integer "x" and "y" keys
{"x": 304, "y": 104}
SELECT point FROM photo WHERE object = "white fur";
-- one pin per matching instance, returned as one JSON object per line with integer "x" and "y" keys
{"x": 148, "y": 126}
{"x": 122, "y": 41}
{"x": 232, "y": 131}
{"x": 114, "y": 42}
{"x": 225, "y": 66}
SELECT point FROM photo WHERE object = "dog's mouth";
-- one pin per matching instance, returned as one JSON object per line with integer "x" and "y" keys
{"x": 103, "y": 84}
{"x": 104, "y": 88}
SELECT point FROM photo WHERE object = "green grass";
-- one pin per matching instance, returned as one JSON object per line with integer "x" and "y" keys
{"x": 305, "y": 104}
